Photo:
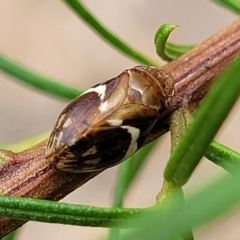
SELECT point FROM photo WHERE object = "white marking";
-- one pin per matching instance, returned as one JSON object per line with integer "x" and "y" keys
{"x": 59, "y": 139}
{"x": 67, "y": 123}
{"x": 90, "y": 151}
{"x": 104, "y": 107}
{"x": 135, "y": 84}
{"x": 59, "y": 121}
{"x": 135, "y": 132}
{"x": 69, "y": 157}
{"x": 63, "y": 166}
{"x": 93, "y": 161}
{"x": 49, "y": 148}
{"x": 68, "y": 160}
{"x": 101, "y": 89}
{"x": 115, "y": 122}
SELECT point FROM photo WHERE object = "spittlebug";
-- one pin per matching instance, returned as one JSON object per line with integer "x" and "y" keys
{"x": 110, "y": 121}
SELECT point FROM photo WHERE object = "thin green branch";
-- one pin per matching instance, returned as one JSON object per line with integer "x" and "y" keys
{"x": 47, "y": 85}
{"x": 47, "y": 211}
{"x": 205, "y": 125}
{"x": 233, "y": 5}
{"x": 108, "y": 36}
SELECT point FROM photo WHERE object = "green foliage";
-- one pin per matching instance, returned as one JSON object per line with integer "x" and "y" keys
{"x": 36, "y": 81}
{"x": 53, "y": 212}
{"x": 104, "y": 33}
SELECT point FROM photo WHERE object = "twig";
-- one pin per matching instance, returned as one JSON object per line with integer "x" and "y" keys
{"x": 195, "y": 71}
{"x": 27, "y": 173}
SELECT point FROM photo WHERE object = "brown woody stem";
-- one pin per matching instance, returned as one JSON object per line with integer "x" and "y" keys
{"x": 27, "y": 173}
{"x": 195, "y": 71}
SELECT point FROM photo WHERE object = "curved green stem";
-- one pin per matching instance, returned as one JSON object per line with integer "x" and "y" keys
{"x": 165, "y": 50}
{"x": 160, "y": 40}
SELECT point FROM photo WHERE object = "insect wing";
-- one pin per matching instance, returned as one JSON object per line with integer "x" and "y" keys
{"x": 108, "y": 122}
{"x": 105, "y": 146}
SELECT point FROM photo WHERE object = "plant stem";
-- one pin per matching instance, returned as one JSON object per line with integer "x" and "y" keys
{"x": 204, "y": 126}
{"x": 196, "y": 71}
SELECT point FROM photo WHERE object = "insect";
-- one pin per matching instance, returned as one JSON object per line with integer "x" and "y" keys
{"x": 110, "y": 121}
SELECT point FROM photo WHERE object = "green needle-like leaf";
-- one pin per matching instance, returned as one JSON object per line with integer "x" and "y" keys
{"x": 36, "y": 81}
{"x": 128, "y": 171}
{"x": 201, "y": 208}
{"x": 103, "y": 32}
{"x": 138, "y": 161}
{"x": 233, "y": 5}
{"x": 120, "y": 192}
{"x": 25, "y": 144}
{"x": 47, "y": 211}
{"x": 223, "y": 156}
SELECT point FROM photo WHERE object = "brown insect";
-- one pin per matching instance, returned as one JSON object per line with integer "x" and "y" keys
{"x": 110, "y": 121}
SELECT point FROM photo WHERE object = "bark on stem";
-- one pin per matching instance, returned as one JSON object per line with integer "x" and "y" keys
{"x": 195, "y": 71}
{"x": 27, "y": 173}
